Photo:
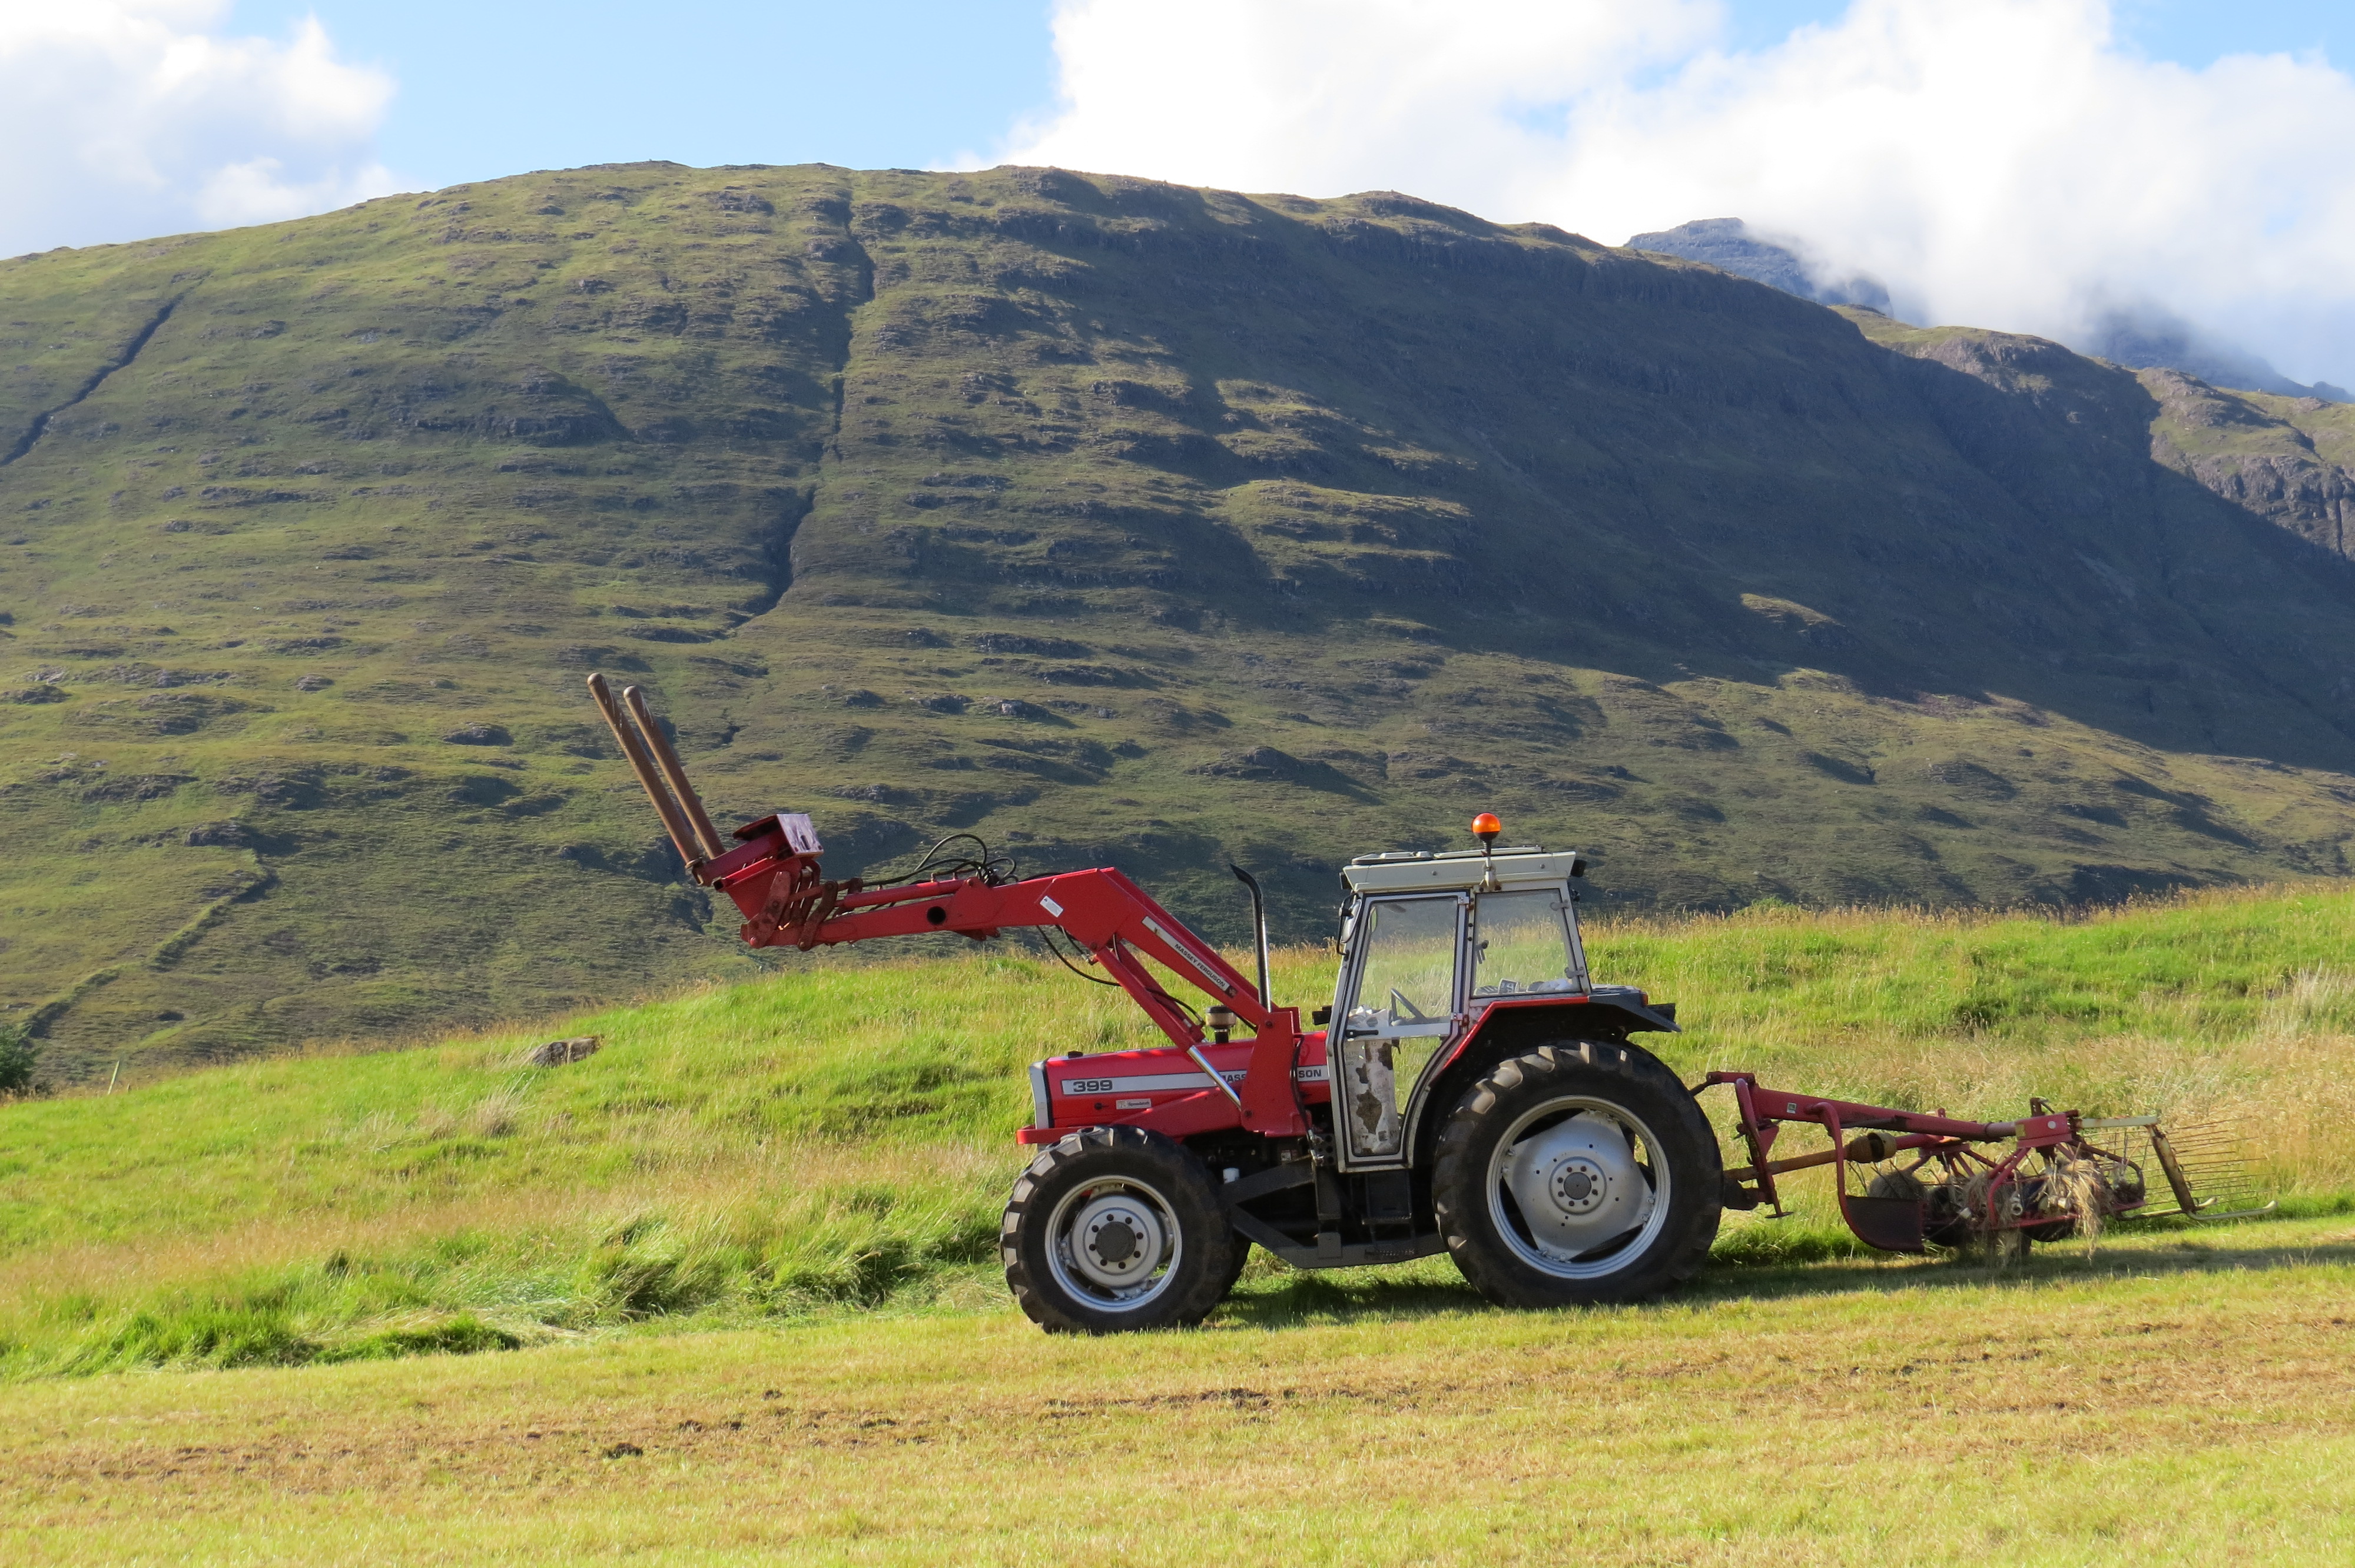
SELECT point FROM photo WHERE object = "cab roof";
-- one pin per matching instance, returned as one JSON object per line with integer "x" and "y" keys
{"x": 1418, "y": 871}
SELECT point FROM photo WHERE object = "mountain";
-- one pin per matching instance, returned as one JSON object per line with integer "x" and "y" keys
{"x": 1108, "y": 520}
{"x": 2145, "y": 338}
{"x": 2151, "y": 338}
{"x": 1727, "y": 245}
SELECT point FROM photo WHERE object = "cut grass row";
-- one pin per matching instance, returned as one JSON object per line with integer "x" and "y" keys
{"x": 2175, "y": 1400}
{"x": 839, "y": 1137}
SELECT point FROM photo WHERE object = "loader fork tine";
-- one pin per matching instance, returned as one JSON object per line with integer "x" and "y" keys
{"x": 667, "y": 755}
{"x": 642, "y": 764}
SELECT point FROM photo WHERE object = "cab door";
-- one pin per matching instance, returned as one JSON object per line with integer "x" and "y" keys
{"x": 1399, "y": 1000}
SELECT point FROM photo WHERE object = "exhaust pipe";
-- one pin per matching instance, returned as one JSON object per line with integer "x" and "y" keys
{"x": 690, "y": 830}
{"x": 1259, "y": 930}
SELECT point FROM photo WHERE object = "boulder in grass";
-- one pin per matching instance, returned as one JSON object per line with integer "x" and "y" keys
{"x": 479, "y": 735}
{"x": 557, "y": 1053}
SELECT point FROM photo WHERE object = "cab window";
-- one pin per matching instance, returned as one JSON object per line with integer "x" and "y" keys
{"x": 1407, "y": 984}
{"x": 1520, "y": 943}
{"x": 1401, "y": 1013}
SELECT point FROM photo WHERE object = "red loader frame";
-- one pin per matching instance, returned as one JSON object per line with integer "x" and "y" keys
{"x": 787, "y": 903}
{"x": 773, "y": 877}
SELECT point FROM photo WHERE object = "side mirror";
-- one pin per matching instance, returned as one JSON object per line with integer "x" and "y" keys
{"x": 1578, "y": 866}
{"x": 1322, "y": 1015}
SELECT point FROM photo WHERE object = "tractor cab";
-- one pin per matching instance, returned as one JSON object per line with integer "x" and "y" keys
{"x": 1431, "y": 944}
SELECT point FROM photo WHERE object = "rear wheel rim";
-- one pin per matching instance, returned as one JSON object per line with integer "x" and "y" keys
{"x": 1578, "y": 1188}
{"x": 1114, "y": 1245}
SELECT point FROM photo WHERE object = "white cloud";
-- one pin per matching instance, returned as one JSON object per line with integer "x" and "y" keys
{"x": 1330, "y": 95}
{"x": 120, "y": 118}
{"x": 2003, "y": 163}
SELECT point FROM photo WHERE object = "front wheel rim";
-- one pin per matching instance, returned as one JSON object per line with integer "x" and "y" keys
{"x": 1578, "y": 1188}
{"x": 1114, "y": 1245}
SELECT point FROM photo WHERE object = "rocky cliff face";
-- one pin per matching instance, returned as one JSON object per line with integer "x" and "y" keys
{"x": 2283, "y": 459}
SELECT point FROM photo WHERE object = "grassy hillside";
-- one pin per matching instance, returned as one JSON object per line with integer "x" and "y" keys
{"x": 840, "y": 1137}
{"x": 1115, "y": 521}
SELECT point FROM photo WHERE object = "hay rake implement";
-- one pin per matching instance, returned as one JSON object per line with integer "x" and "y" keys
{"x": 1938, "y": 1179}
{"x": 1470, "y": 1090}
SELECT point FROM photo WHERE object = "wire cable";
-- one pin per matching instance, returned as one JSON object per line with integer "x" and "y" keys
{"x": 1046, "y": 934}
{"x": 1193, "y": 1017}
{"x": 1190, "y": 1015}
{"x": 990, "y": 867}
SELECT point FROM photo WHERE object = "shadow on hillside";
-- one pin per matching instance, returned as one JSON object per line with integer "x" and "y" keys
{"x": 1433, "y": 1288}
{"x": 2044, "y": 579}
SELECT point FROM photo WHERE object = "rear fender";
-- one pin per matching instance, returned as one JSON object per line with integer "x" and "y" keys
{"x": 1507, "y": 1028}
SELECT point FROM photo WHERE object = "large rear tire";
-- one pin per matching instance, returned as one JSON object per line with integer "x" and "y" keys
{"x": 1114, "y": 1229}
{"x": 1581, "y": 1173}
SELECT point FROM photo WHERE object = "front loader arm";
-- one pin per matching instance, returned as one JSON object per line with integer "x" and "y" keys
{"x": 774, "y": 878}
{"x": 1117, "y": 923}
{"x": 1103, "y": 911}
{"x": 1106, "y": 914}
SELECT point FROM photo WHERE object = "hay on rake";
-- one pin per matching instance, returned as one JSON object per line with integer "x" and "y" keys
{"x": 2004, "y": 1243}
{"x": 2077, "y": 1187}
{"x": 1895, "y": 1182}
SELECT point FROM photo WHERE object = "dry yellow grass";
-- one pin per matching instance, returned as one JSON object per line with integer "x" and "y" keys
{"x": 2172, "y": 1403}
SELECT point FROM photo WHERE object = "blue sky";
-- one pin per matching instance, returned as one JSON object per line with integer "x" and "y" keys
{"x": 489, "y": 89}
{"x": 2191, "y": 33}
{"x": 494, "y": 89}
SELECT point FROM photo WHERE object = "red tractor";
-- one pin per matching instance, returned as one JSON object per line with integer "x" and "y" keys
{"x": 1470, "y": 1089}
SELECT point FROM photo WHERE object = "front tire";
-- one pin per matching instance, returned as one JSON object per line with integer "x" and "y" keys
{"x": 1579, "y": 1173}
{"x": 1114, "y": 1229}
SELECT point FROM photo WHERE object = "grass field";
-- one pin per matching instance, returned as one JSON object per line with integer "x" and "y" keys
{"x": 753, "y": 1238}
{"x": 2176, "y": 1400}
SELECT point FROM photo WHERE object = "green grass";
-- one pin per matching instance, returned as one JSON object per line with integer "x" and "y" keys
{"x": 837, "y": 1139}
{"x": 726, "y": 1291}
{"x": 1118, "y": 521}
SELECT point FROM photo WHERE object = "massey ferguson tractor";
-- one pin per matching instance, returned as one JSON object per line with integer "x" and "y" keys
{"x": 1470, "y": 1090}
